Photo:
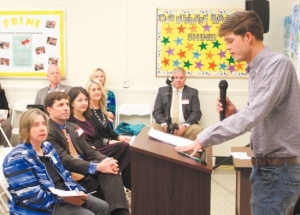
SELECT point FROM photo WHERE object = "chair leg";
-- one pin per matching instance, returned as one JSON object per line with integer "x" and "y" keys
{"x": 3, "y": 202}
{"x": 4, "y": 135}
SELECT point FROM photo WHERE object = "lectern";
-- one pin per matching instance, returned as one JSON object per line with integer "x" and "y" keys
{"x": 165, "y": 182}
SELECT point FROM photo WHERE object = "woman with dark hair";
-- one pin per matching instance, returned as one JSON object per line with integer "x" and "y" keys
{"x": 81, "y": 115}
{"x": 33, "y": 167}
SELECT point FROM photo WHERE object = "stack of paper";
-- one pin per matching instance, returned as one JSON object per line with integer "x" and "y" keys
{"x": 240, "y": 155}
{"x": 168, "y": 138}
{"x": 3, "y": 114}
{"x": 63, "y": 193}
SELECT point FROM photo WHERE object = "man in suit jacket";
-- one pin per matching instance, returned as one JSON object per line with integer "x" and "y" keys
{"x": 188, "y": 111}
{"x": 5, "y": 124}
{"x": 100, "y": 173}
{"x": 54, "y": 76}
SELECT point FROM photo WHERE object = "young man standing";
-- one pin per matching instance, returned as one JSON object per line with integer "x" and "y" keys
{"x": 272, "y": 115}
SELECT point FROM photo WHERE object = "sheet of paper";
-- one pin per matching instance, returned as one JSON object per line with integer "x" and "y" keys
{"x": 168, "y": 138}
{"x": 63, "y": 193}
{"x": 132, "y": 139}
{"x": 240, "y": 155}
{"x": 3, "y": 114}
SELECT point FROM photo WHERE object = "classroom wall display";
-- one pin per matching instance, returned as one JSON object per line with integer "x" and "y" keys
{"x": 188, "y": 38}
{"x": 31, "y": 40}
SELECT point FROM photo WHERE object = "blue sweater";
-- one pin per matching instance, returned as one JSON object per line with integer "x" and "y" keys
{"x": 29, "y": 181}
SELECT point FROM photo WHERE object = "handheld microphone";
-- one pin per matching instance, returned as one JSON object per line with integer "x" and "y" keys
{"x": 223, "y": 85}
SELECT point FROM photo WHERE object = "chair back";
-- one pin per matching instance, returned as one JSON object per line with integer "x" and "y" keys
{"x": 133, "y": 109}
{"x": 20, "y": 106}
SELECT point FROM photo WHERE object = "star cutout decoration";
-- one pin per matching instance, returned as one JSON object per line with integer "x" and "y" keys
{"x": 178, "y": 41}
{"x": 193, "y": 28}
{"x": 231, "y": 68}
{"x": 181, "y": 29}
{"x": 230, "y": 60}
{"x": 222, "y": 66}
{"x": 196, "y": 54}
{"x": 187, "y": 64}
{"x": 222, "y": 54}
{"x": 202, "y": 46}
{"x": 176, "y": 63}
{"x": 199, "y": 65}
{"x": 165, "y": 61}
{"x": 209, "y": 55}
{"x": 181, "y": 54}
{"x": 206, "y": 27}
{"x": 189, "y": 46}
{"x": 165, "y": 40}
{"x": 170, "y": 51}
{"x": 240, "y": 66}
{"x": 216, "y": 44}
{"x": 212, "y": 65}
{"x": 169, "y": 30}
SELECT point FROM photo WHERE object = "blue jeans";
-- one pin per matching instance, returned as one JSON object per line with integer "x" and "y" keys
{"x": 275, "y": 189}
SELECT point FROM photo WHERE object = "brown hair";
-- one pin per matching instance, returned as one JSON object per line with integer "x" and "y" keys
{"x": 73, "y": 93}
{"x": 51, "y": 97}
{"x": 242, "y": 22}
{"x": 27, "y": 120}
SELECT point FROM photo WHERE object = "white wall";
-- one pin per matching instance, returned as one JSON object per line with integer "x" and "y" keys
{"x": 120, "y": 37}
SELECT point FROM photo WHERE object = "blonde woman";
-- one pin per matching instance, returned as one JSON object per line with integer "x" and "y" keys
{"x": 110, "y": 96}
{"x": 99, "y": 112}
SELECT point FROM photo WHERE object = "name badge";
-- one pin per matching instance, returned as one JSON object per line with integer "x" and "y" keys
{"x": 185, "y": 101}
{"x": 79, "y": 131}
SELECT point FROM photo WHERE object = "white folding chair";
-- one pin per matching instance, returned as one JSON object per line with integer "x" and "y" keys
{"x": 4, "y": 135}
{"x": 4, "y": 185}
{"x": 133, "y": 109}
{"x": 19, "y": 107}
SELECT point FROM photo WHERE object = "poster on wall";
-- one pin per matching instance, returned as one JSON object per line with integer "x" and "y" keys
{"x": 189, "y": 39}
{"x": 295, "y": 32}
{"x": 287, "y": 28}
{"x": 30, "y": 41}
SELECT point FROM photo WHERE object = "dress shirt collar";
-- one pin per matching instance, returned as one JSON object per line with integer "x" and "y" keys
{"x": 179, "y": 90}
{"x": 54, "y": 88}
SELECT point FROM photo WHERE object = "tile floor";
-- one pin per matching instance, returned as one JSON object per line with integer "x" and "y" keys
{"x": 222, "y": 191}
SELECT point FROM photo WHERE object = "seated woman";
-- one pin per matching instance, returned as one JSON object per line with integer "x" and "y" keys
{"x": 107, "y": 142}
{"x": 110, "y": 96}
{"x": 33, "y": 167}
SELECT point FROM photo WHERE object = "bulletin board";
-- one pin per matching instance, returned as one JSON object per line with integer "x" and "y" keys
{"x": 189, "y": 39}
{"x": 30, "y": 41}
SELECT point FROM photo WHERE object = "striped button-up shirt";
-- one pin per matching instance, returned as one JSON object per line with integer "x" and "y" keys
{"x": 272, "y": 113}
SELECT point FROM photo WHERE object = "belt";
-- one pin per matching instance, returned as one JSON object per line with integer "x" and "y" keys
{"x": 261, "y": 162}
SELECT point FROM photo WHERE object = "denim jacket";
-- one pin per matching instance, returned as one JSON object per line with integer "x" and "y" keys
{"x": 29, "y": 181}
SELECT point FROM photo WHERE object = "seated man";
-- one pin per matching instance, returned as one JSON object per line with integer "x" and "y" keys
{"x": 88, "y": 167}
{"x": 184, "y": 108}
{"x": 54, "y": 76}
{"x": 5, "y": 124}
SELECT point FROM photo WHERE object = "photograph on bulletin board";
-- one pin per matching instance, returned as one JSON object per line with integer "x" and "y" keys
{"x": 188, "y": 38}
{"x": 30, "y": 41}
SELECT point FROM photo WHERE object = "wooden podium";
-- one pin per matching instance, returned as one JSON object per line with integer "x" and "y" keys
{"x": 243, "y": 187}
{"x": 165, "y": 182}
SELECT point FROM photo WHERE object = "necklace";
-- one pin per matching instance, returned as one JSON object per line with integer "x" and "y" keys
{"x": 103, "y": 116}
